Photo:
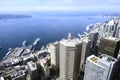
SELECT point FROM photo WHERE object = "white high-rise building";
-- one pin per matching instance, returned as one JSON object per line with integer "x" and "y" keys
{"x": 99, "y": 68}
{"x": 70, "y": 56}
{"x": 86, "y": 45}
{"x": 117, "y": 35}
{"x": 54, "y": 53}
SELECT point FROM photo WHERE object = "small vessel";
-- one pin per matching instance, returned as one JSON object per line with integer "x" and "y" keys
{"x": 36, "y": 42}
{"x": 8, "y": 53}
{"x": 24, "y": 43}
{"x": 0, "y": 47}
{"x": 90, "y": 18}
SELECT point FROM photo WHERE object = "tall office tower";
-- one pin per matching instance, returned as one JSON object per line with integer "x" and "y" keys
{"x": 32, "y": 70}
{"x": 110, "y": 28}
{"x": 86, "y": 45}
{"x": 99, "y": 68}
{"x": 54, "y": 53}
{"x": 110, "y": 46}
{"x": 102, "y": 30}
{"x": 117, "y": 35}
{"x": 93, "y": 36}
{"x": 115, "y": 75}
{"x": 70, "y": 56}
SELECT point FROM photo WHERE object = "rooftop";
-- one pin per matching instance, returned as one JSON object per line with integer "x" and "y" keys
{"x": 93, "y": 59}
{"x": 32, "y": 65}
{"x": 111, "y": 23}
{"x": 18, "y": 74}
{"x": 85, "y": 39}
{"x": 71, "y": 42}
{"x": 112, "y": 38}
{"x": 106, "y": 59}
{"x": 55, "y": 43}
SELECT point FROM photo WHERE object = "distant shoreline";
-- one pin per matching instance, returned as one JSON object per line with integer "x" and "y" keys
{"x": 13, "y": 16}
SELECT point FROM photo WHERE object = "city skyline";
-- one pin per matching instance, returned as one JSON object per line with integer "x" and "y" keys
{"x": 67, "y": 59}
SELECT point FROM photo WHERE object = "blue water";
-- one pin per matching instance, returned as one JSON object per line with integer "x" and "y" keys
{"x": 49, "y": 26}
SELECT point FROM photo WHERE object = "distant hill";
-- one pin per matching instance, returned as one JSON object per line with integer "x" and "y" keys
{"x": 13, "y": 16}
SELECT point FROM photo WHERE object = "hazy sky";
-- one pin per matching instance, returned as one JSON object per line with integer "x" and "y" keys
{"x": 48, "y": 5}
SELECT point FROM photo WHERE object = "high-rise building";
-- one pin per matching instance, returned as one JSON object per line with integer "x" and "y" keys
{"x": 110, "y": 46}
{"x": 99, "y": 68}
{"x": 115, "y": 75}
{"x": 93, "y": 36}
{"x": 110, "y": 28}
{"x": 86, "y": 45}
{"x": 2, "y": 78}
{"x": 44, "y": 63}
{"x": 117, "y": 34}
{"x": 70, "y": 56}
{"x": 32, "y": 70}
{"x": 54, "y": 53}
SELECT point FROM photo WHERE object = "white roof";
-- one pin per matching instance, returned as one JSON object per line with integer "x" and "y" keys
{"x": 32, "y": 65}
{"x": 107, "y": 60}
{"x": 94, "y": 59}
{"x": 71, "y": 42}
{"x": 111, "y": 22}
{"x": 85, "y": 39}
{"x": 1, "y": 78}
{"x": 55, "y": 43}
{"x": 112, "y": 38}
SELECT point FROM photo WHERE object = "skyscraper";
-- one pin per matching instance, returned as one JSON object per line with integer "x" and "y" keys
{"x": 93, "y": 36}
{"x": 110, "y": 46}
{"x": 54, "y": 53}
{"x": 32, "y": 70}
{"x": 115, "y": 75}
{"x": 99, "y": 68}
{"x": 70, "y": 56}
{"x": 117, "y": 34}
{"x": 86, "y": 45}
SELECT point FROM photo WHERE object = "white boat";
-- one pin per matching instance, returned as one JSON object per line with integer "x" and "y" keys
{"x": 24, "y": 43}
{"x": 36, "y": 41}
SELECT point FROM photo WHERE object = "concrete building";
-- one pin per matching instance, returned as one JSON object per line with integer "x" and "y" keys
{"x": 32, "y": 70}
{"x": 14, "y": 73}
{"x": 20, "y": 75}
{"x": 86, "y": 45}
{"x": 54, "y": 54}
{"x": 115, "y": 75}
{"x": 45, "y": 65}
{"x": 110, "y": 46}
{"x": 93, "y": 36}
{"x": 70, "y": 56}
{"x": 2, "y": 78}
{"x": 108, "y": 29}
{"x": 117, "y": 34}
{"x": 99, "y": 68}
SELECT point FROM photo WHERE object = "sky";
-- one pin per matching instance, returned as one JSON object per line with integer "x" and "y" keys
{"x": 58, "y": 5}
